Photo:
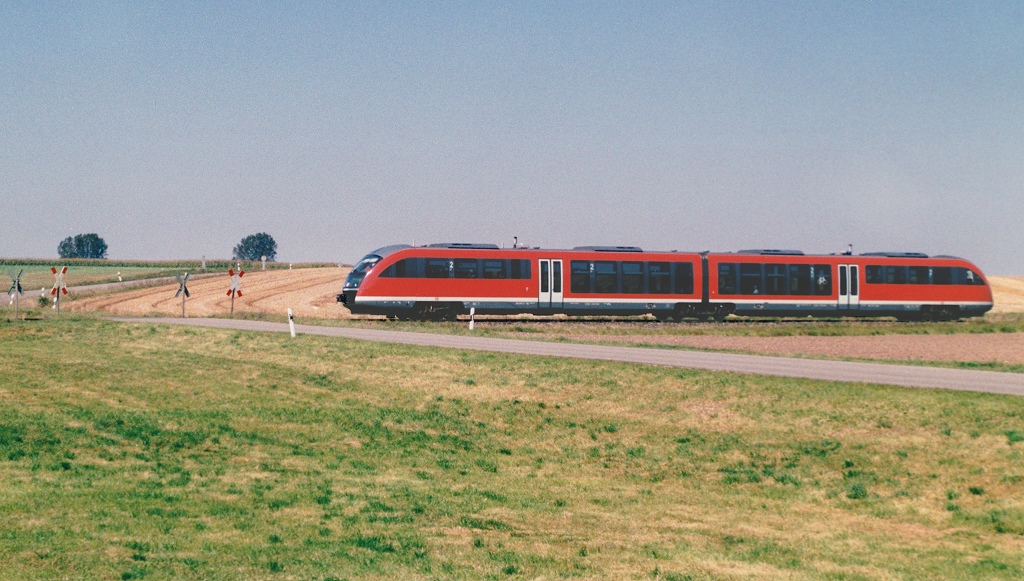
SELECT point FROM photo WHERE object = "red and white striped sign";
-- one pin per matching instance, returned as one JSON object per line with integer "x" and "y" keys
{"x": 58, "y": 284}
{"x": 236, "y": 282}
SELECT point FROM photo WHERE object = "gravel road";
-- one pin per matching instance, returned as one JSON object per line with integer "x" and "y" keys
{"x": 877, "y": 373}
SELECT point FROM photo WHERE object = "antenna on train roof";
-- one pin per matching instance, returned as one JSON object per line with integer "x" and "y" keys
{"x": 849, "y": 250}
{"x": 515, "y": 241}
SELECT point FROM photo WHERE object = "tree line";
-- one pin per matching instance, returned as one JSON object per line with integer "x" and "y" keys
{"x": 251, "y": 248}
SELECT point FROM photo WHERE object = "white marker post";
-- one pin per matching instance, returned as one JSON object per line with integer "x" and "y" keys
{"x": 472, "y": 316}
{"x": 291, "y": 322}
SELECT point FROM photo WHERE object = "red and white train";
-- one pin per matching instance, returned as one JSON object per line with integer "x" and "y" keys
{"x": 441, "y": 281}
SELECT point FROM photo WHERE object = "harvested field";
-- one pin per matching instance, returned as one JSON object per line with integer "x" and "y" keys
{"x": 309, "y": 292}
{"x": 1008, "y": 293}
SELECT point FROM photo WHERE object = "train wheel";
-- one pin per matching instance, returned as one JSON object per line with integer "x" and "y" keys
{"x": 720, "y": 313}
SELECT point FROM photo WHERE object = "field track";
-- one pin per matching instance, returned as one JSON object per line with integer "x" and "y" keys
{"x": 310, "y": 293}
{"x": 847, "y": 371}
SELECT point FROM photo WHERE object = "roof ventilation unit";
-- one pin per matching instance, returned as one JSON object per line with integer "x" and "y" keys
{"x": 772, "y": 252}
{"x": 610, "y": 248}
{"x": 464, "y": 245}
{"x": 897, "y": 254}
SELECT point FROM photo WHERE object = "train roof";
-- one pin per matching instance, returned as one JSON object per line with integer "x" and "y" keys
{"x": 384, "y": 251}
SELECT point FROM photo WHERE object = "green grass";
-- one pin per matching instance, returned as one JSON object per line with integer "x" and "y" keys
{"x": 149, "y": 452}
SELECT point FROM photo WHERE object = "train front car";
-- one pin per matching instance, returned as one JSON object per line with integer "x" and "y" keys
{"x": 912, "y": 286}
{"x": 788, "y": 283}
{"x": 359, "y": 273}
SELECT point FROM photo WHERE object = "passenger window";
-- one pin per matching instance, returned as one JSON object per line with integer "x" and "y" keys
{"x": 895, "y": 275}
{"x": 963, "y": 275}
{"x": 822, "y": 279}
{"x": 917, "y": 274}
{"x": 397, "y": 270}
{"x": 579, "y": 277}
{"x": 437, "y": 268}
{"x": 632, "y": 277}
{"x": 873, "y": 275}
{"x": 799, "y": 279}
{"x": 605, "y": 277}
{"x": 466, "y": 268}
{"x": 727, "y": 279}
{"x": 684, "y": 278}
{"x": 494, "y": 269}
{"x": 750, "y": 279}
{"x": 775, "y": 279}
{"x": 556, "y": 276}
{"x": 521, "y": 269}
{"x": 942, "y": 275}
{"x": 659, "y": 281}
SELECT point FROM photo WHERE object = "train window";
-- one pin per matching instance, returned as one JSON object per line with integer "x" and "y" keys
{"x": 556, "y": 276}
{"x": 917, "y": 274}
{"x": 520, "y": 269}
{"x": 684, "y": 278}
{"x": 799, "y": 279}
{"x": 965, "y": 276}
{"x": 606, "y": 279}
{"x": 942, "y": 275}
{"x": 727, "y": 279}
{"x": 632, "y": 277}
{"x": 775, "y": 279}
{"x": 438, "y": 267}
{"x": 467, "y": 268}
{"x": 822, "y": 274}
{"x": 895, "y": 275}
{"x": 750, "y": 279}
{"x": 873, "y": 274}
{"x": 544, "y": 278}
{"x": 396, "y": 270}
{"x": 659, "y": 278}
{"x": 495, "y": 269}
{"x": 579, "y": 277}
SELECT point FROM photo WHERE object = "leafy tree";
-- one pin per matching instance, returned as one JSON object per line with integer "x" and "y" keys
{"x": 82, "y": 246}
{"x": 255, "y": 247}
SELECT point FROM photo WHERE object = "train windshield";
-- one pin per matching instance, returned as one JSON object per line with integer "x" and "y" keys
{"x": 360, "y": 269}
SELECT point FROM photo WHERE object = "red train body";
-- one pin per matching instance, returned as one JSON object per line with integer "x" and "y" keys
{"x": 442, "y": 281}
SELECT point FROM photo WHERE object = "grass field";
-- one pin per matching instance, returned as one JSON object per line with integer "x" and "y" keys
{"x": 146, "y": 452}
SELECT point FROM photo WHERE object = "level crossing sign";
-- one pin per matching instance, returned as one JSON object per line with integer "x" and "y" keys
{"x": 236, "y": 286}
{"x": 15, "y": 291}
{"x": 58, "y": 286}
{"x": 182, "y": 291}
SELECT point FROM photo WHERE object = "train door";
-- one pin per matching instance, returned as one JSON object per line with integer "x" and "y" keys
{"x": 550, "y": 292}
{"x": 849, "y": 287}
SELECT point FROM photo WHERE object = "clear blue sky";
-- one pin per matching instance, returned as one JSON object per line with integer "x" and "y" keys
{"x": 174, "y": 129}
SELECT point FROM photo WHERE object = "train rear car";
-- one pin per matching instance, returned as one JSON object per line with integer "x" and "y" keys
{"x": 908, "y": 286}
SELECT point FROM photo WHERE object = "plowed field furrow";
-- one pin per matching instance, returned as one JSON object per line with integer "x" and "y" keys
{"x": 308, "y": 292}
